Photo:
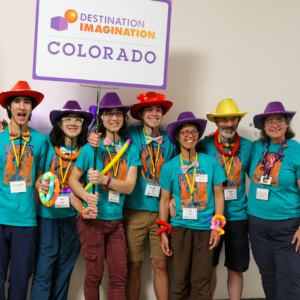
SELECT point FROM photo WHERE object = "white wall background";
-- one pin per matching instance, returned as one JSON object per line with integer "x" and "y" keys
{"x": 246, "y": 50}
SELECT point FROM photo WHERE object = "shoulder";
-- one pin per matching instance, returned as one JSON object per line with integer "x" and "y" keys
{"x": 207, "y": 158}
{"x": 86, "y": 149}
{"x": 294, "y": 144}
{"x": 36, "y": 134}
{"x": 245, "y": 141}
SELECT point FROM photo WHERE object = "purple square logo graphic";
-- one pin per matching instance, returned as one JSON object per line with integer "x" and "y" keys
{"x": 59, "y": 23}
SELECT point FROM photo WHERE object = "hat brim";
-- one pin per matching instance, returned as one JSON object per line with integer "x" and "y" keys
{"x": 126, "y": 108}
{"x": 172, "y": 127}
{"x": 166, "y": 104}
{"x": 38, "y": 97}
{"x": 211, "y": 116}
{"x": 55, "y": 114}
{"x": 260, "y": 117}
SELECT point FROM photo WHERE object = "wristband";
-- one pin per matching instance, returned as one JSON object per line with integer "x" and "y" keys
{"x": 166, "y": 227}
{"x": 108, "y": 181}
{"x": 79, "y": 212}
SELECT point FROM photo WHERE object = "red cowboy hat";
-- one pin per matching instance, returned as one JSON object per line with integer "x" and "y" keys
{"x": 21, "y": 88}
{"x": 150, "y": 99}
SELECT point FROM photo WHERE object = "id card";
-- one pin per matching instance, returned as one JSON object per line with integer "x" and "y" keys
{"x": 18, "y": 186}
{"x": 262, "y": 194}
{"x": 113, "y": 196}
{"x": 152, "y": 189}
{"x": 266, "y": 180}
{"x": 230, "y": 194}
{"x": 201, "y": 178}
{"x": 190, "y": 214}
{"x": 62, "y": 202}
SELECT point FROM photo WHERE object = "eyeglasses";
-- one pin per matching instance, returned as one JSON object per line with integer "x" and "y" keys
{"x": 69, "y": 120}
{"x": 186, "y": 132}
{"x": 110, "y": 114}
{"x": 279, "y": 122}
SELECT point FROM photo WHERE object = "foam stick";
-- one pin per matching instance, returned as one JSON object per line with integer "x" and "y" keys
{"x": 166, "y": 227}
{"x": 114, "y": 160}
{"x": 53, "y": 191}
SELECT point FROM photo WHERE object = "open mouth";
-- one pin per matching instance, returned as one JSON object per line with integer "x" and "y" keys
{"x": 22, "y": 116}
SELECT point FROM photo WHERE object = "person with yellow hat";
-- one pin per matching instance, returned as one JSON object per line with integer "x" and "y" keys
{"x": 22, "y": 160}
{"x": 233, "y": 153}
{"x": 141, "y": 207}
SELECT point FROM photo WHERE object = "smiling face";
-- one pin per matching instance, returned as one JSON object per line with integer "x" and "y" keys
{"x": 20, "y": 108}
{"x": 71, "y": 131}
{"x": 113, "y": 119}
{"x": 152, "y": 115}
{"x": 275, "y": 127}
{"x": 188, "y": 136}
{"x": 227, "y": 126}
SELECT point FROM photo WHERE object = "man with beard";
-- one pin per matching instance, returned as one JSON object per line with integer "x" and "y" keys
{"x": 233, "y": 153}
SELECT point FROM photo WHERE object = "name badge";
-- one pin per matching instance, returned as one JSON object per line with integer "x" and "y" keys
{"x": 18, "y": 186}
{"x": 201, "y": 178}
{"x": 190, "y": 214}
{"x": 230, "y": 194}
{"x": 62, "y": 202}
{"x": 262, "y": 194}
{"x": 266, "y": 180}
{"x": 152, "y": 189}
{"x": 113, "y": 196}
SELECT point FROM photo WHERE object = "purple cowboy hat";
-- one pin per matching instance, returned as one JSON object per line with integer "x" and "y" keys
{"x": 112, "y": 100}
{"x": 272, "y": 108}
{"x": 71, "y": 107}
{"x": 185, "y": 117}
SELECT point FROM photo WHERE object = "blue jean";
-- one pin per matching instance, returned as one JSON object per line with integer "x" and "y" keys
{"x": 275, "y": 256}
{"x": 17, "y": 245}
{"x": 58, "y": 248}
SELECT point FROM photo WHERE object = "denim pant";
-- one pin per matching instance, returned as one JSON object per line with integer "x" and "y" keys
{"x": 101, "y": 240}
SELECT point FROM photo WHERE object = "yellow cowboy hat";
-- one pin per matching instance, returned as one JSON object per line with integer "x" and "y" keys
{"x": 226, "y": 108}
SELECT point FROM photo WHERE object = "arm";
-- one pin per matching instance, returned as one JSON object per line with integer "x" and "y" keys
{"x": 78, "y": 190}
{"x": 164, "y": 215}
{"x": 297, "y": 234}
{"x": 122, "y": 186}
{"x": 87, "y": 212}
{"x": 219, "y": 210}
{"x": 38, "y": 182}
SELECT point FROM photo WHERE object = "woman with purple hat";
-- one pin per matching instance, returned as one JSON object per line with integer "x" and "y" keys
{"x": 58, "y": 243}
{"x": 195, "y": 180}
{"x": 103, "y": 238}
{"x": 274, "y": 203}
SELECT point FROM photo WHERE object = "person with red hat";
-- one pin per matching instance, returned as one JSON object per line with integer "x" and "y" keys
{"x": 58, "y": 244}
{"x": 142, "y": 205}
{"x": 21, "y": 168}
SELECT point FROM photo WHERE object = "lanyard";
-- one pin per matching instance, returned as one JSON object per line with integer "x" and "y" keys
{"x": 274, "y": 159}
{"x": 63, "y": 177}
{"x": 157, "y": 154}
{"x": 18, "y": 159}
{"x": 117, "y": 167}
{"x": 227, "y": 168}
{"x": 187, "y": 177}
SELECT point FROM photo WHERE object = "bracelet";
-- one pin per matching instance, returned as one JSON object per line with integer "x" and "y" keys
{"x": 108, "y": 181}
{"x": 166, "y": 227}
{"x": 79, "y": 212}
{"x": 216, "y": 225}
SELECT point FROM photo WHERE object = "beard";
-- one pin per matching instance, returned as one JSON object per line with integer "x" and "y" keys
{"x": 227, "y": 135}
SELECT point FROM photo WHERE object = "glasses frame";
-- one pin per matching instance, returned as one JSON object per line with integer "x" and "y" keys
{"x": 271, "y": 125}
{"x": 72, "y": 119}
{"x": 189, "y": 132}
{"x": 113, "y": 114}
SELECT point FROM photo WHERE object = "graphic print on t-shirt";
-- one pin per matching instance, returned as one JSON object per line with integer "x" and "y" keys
{"x": 200, "y": 193}
{"x": 54, "y": 167}
{"x": 235, "y": 169}
{"x": 123, "y": 166}
{"x": 259, "y": 171}
{"x": 147, "y": 171}
{"x": 11, "y": 166}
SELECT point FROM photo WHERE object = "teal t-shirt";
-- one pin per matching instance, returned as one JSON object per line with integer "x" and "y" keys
{"x": 234, "y": 210}
{"x": 18, "y": 209}
{"x": 85, "y": 161}
{"x": 284, "y": 195}
{"x": 172, "y": 179}
{"x": 53, "y": 165}
{"x": 137, "y": 199}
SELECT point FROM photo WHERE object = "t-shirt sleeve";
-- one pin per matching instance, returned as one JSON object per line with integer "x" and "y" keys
{"x": 42, "y": 158}
{"x": 218, "y": 176}
{"x": 135, "y": 156}
{"x": 133, "y": 134}
{"x": 165, "y": 178}
{"x": 82, "y": 161}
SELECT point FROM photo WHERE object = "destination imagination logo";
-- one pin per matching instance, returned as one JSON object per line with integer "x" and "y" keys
{"x": 60, "y": 23}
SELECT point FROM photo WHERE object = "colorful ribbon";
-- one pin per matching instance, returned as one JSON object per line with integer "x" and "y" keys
{"x": 149, "y": 139}
{"x": 107, "y": 142}
{"x": 25, "y": 136}
{"x": 185, "y": 168}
